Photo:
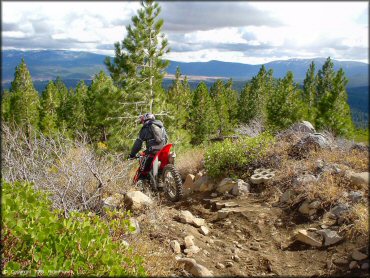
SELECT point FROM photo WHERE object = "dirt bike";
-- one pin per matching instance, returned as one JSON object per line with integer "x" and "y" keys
{"x": 161, "y": 174}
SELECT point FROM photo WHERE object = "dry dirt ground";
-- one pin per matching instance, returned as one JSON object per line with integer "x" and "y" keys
{"x": 257, "y": 241}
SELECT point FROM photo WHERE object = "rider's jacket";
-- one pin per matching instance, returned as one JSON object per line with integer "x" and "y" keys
{"x": 146, "y": 135}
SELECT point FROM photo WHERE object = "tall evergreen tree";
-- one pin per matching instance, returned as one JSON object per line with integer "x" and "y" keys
{"x": 48, "y": 110}
{"x": 24, "y": 99}
{"x": 218, "y": 95}
{"x": 253, "y": 98}
{"x": 309, "y": 93}
{"x": 231, "y": 102}
{"x": 202, "y": 115}
{"x": 284, "y": 105}
{"x": 102, "y": 97}
{"x": 77, "y": 119}
{"x": 5, "y": 105}
{"x": 138, "y": 66}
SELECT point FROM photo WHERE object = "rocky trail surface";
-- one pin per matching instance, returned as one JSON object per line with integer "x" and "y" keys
{"x": 292, "y": 219}
{"x": 247, "y": 237}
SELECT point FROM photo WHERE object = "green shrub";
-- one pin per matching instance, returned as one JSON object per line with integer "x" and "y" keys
{"x": 227, "y": 158}
{"x": 39, "y": 241}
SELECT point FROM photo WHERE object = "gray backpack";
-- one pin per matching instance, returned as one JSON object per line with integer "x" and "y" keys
{"x": 159, "y": 134}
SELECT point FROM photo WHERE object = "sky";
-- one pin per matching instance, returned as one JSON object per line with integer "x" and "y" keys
{"x": 245, "y": 32}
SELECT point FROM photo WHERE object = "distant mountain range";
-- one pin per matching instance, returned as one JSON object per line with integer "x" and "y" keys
{"x": 48, "y": 64}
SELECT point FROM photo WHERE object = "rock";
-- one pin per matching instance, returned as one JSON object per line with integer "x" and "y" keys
{"x": 192, "y": 250}
{"x": 204, "y": 230}
{"x": 229, "y": 263}
{"x": 330, "y": 237}
{"x": 329, "y": 219}
{"x": 340, "y": 261}
{"x": 134, "y": 223}
{"x": 220, "y": 266}
{"x": 214, "y": 195}
{"x": 340, "y": 209}
{"x": 355, "y": 196}
{"x": 198, "y": 176}
{"x": 241, "y": 188}
{"x": 358, "y": 256}
{"x": 305, "y": 237}
{"x": 225, "y": 185}
{"x": 137, "y": 200}
{"x": 114, "y": 201}
{"x": 221, "y": 214}
{"x": 231, "y": 205}
{"x": 287, "y": 196}
{"x": 125, "y": 243}
{"x": 311, "y": 141}
{"x": 206, "y": 253}
{"x": 203, "y": 184}
{"x": 188, "y": 218}
{"x": 193, "y": 268}
{"x": 312, "y": 212}
{"x": 304, "y": 209}
{"x": 314, "y": 205}
{"x": 219, "y": 205}
{"x": 303, "y": 126}
{"x": 353, "y": 265}
{"x": 175, "y": 245}
{"x": 189, "y": 182}
{"x": 236, "y": 258}
{"x": 359, "y": 179}
{"x": 189, "y": 241}
{"x": 365, "y": 266}
{"x": 304, "y": 180}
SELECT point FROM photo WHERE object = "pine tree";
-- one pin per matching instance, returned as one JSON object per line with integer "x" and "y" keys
{"x": 77, "y": 119}
{"x": 218, "y": 95}
{"x": 48, "y": 111}
{"x": 63, "y": 94}
{"x": 231, "y": 97}
{"x": 102, "y": 99}
{"x": 253, "y": 98}
{"x": 24, "y": 99}
{"x": 138, "y": 66}
{"x": 202, "y": 115}
{"x": 5, "y": 105}
{"x": 309, "y": 93}
{"x": 284, "y": 105}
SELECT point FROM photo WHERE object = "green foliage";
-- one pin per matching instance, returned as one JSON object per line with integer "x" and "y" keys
{"x": 39, "y": 241}
{"x": 254, "y": 96}
{"x": 50, "y": 103}
{"x": 203, "y": 117}
{"x": 309, "y": 93}
{"x": 138, "y": 66}
{"x": 24, "y": 99}
{"x": 333, "y": 111}
{"x": 362, "y": 136}
{"x": 230, "y": 157}
{"x": 284, "y": 107}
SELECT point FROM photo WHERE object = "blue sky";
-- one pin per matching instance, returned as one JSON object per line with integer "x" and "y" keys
{"x": 247, "y": 32}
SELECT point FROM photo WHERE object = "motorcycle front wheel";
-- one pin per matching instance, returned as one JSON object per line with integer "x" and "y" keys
{"x": 172, "y": 183}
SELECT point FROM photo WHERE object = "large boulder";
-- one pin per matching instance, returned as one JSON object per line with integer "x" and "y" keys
{"x": 226, "y": 185}
{"x": 241, "y": 188}
{"x": 359, "y": 179}
{"x": 308, "y": 143}
{"x": 303, "y": 126}
{"x": 137, "y": 200}
{"x": 304, "y": 180}
{"x": 203, "y": 184}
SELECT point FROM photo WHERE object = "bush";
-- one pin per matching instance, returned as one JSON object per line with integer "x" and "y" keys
{"x": 190, "y": 161}
{"x": 39, "y": 241}
{"x": 229, "y": 157}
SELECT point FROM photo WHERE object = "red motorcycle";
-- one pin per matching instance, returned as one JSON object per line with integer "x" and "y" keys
{"x": 161, "y": 174}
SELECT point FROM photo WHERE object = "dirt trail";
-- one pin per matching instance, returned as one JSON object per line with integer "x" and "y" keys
{"x": 254, "y": 241}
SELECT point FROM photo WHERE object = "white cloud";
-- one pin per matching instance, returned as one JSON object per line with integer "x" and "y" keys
{"x": 248, "y": 32}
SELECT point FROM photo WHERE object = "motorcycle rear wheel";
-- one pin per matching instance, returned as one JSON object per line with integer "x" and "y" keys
{"x": 172, "y": 183}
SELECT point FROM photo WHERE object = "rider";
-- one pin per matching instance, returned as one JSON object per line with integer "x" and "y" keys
{"x": 154, "y": 135}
